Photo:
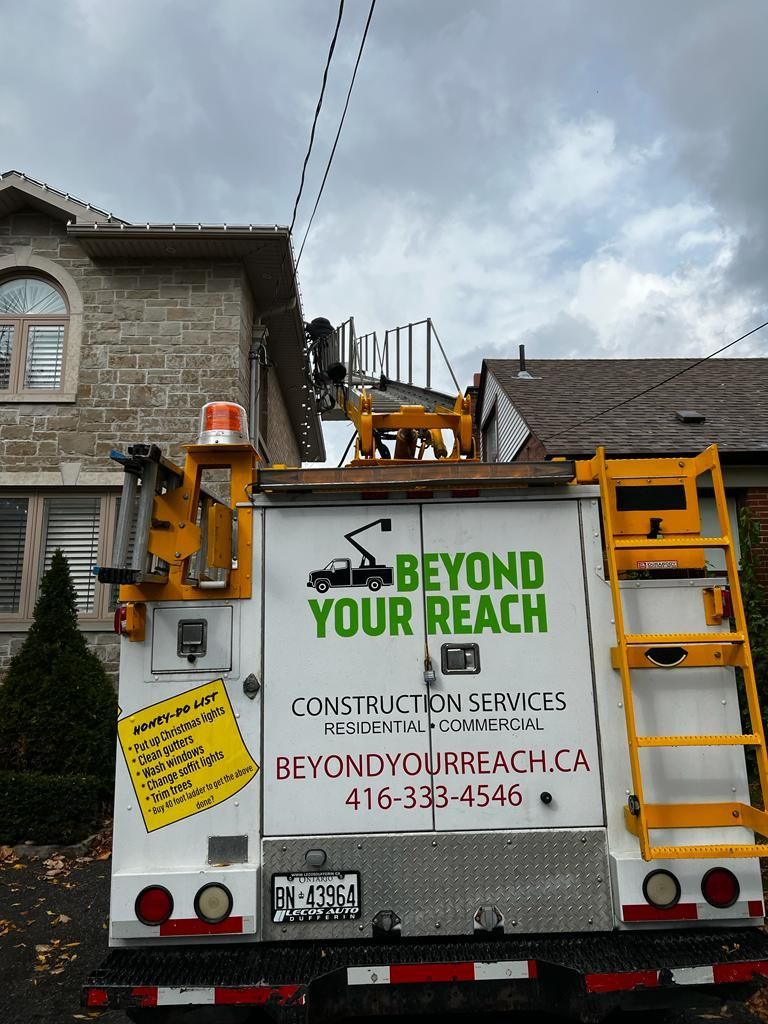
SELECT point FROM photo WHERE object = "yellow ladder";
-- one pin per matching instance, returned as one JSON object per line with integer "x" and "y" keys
{"x": 707, "y": 649}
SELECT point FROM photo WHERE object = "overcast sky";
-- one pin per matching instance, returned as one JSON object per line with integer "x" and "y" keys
{"x": 590, "y": 178}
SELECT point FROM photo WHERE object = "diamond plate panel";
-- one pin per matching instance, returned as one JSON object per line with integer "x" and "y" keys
{"x": 545, "y": 880}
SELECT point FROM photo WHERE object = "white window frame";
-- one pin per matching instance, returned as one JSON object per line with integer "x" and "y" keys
{"x": 102, "y": 616}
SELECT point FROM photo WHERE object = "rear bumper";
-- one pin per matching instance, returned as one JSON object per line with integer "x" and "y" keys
{"x": 570, "y": 972}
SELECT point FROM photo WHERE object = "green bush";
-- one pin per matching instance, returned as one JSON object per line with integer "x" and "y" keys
{"x": 56, "y": 809}
{"x": 58, "y": 710}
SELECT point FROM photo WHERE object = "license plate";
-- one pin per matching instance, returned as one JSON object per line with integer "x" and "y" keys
{"x": 316, "y": 896}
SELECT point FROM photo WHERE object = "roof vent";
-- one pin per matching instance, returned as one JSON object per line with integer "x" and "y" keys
{"x": 690, "y": 416}
{"x": 522, "y": 372}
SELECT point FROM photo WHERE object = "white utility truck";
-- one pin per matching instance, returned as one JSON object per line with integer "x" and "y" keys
{"x": 500, "y": 764}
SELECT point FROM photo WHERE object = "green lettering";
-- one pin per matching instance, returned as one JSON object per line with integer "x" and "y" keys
{"x": 400, "y": 616}
{"x": 346, "y": 617}
{"x": 321, "y": 610}
{"x": 377, "y": 627}
{"x": 506, "y": 572}
{"x": 534, "y": 607}
{"x": 452, "y": 566}
{"x": 438, "y": 610}
{"x": 505, "y": 607}
{"x": 531, "y": 569}
{"x": 431, "y": 577}
{"x": 461, "y": 613}
{"x": 478, "y": 570}
{"x": 407, "y": 569}
{"x": 486, "y": 615}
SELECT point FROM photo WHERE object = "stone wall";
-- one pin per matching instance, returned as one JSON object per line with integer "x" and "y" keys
{"x": 158, "y": 340}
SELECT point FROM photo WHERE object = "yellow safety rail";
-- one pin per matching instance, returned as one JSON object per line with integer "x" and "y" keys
{"x": 713, "y": 649}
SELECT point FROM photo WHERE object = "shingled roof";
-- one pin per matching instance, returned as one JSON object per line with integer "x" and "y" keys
{"x": 731, "y": 395}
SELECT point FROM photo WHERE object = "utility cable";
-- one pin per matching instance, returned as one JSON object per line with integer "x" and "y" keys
{"x": 317, "y": 113}
{"x": 672, "y": 376}
{"x": 338, "y": 133}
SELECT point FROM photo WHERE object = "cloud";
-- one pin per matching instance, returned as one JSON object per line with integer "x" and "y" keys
{"x": 588, "y": 184}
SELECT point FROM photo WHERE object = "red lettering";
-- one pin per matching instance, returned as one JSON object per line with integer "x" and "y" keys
{"x": 482, "y": 762}
{"x": 538, "y": 760}
{"x": 451, "y": 762}
{"x": 581, "y": 760}
{"x": 513, "y": 762}
{"x": 337, "y": 759}
{"x": 406, "y": 769}
{"x": 467, "y": 763}
{"x": 559, "y": 767}
{"x": 283, "y": 770}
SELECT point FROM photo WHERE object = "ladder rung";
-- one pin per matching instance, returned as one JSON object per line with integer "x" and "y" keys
{"x": 660, "y": 543}
{"x": 683, "y": 655}
{"x": 702, "y": 852}
{"x": 683, "y": 638}
{"x": 718, "y": 740}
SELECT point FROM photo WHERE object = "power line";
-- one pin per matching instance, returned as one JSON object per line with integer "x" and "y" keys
{"x": 672, "y": 376}
{"x": 317, "y": 113}
{"x": 338, "y": 133}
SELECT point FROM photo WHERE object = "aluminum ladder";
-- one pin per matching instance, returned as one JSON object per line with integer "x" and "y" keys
{"x": 707, "y": 649}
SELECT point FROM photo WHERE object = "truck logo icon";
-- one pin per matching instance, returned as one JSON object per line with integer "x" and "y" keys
{"x": 340, "y": 572}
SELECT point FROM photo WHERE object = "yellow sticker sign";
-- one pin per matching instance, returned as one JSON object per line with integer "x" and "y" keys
{"x": 185, "y": 754}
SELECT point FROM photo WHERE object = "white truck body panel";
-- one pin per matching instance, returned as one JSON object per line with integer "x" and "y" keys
{"x": 456, "y": 812}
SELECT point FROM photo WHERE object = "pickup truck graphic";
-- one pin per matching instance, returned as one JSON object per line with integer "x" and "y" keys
{"x": 340, "y": 572}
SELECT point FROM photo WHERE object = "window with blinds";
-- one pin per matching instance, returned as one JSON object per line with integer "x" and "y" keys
{"x": 45, "y": 351}
{"x": 13, "y": 531}
{"x": 73, "y": 524}
{"x": 33, "y": 327}
{"x": 6, "y": 353}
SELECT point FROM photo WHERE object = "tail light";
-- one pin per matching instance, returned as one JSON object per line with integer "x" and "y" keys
{"x": 154, "y": 905}
{"x": 720, "y": 887}
{"x": 661, "y": 889}
{"x": 213, "y": 903}
{"x": 727, "y": 604}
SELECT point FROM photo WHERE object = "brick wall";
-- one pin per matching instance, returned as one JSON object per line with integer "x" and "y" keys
{"x": 756, "y": 500}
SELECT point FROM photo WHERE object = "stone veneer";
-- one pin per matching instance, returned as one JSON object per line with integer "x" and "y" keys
{"x": 158, "y": 341}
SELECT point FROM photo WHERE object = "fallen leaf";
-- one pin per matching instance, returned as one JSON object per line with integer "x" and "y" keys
{"x": 42, "y": 948}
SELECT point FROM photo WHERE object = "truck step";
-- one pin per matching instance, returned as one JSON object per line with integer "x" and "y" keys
{"x": 719, "y": 740}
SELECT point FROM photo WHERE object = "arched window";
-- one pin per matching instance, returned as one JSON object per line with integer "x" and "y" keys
{"x": 34, "y": 317}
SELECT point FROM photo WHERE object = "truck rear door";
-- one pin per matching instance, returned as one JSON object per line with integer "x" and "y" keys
{"x": 513, "y": 723}
{"x": 345, "y": 703}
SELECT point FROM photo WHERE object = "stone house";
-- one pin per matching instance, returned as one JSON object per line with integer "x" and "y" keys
{"x": 113, "y": 333}
{"x": 549, "y": 408}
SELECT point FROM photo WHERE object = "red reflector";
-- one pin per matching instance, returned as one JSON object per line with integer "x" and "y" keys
{"x": 121, "y": 613}
{"x": 728, "y": 973}
{"x": 154, "y": 905}
{"x": 720, "y": 887}
{"x": 97, "y": 997}
{"x": 405, "y": 974}
{"x": 727, "y": 604}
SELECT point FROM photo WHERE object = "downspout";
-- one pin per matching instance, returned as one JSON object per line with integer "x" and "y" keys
{"x": 257, "y": 359}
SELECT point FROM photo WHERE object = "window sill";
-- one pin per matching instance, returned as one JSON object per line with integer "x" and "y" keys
{"x": 84, "y": 625}
{"x": 41, "y": 397}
